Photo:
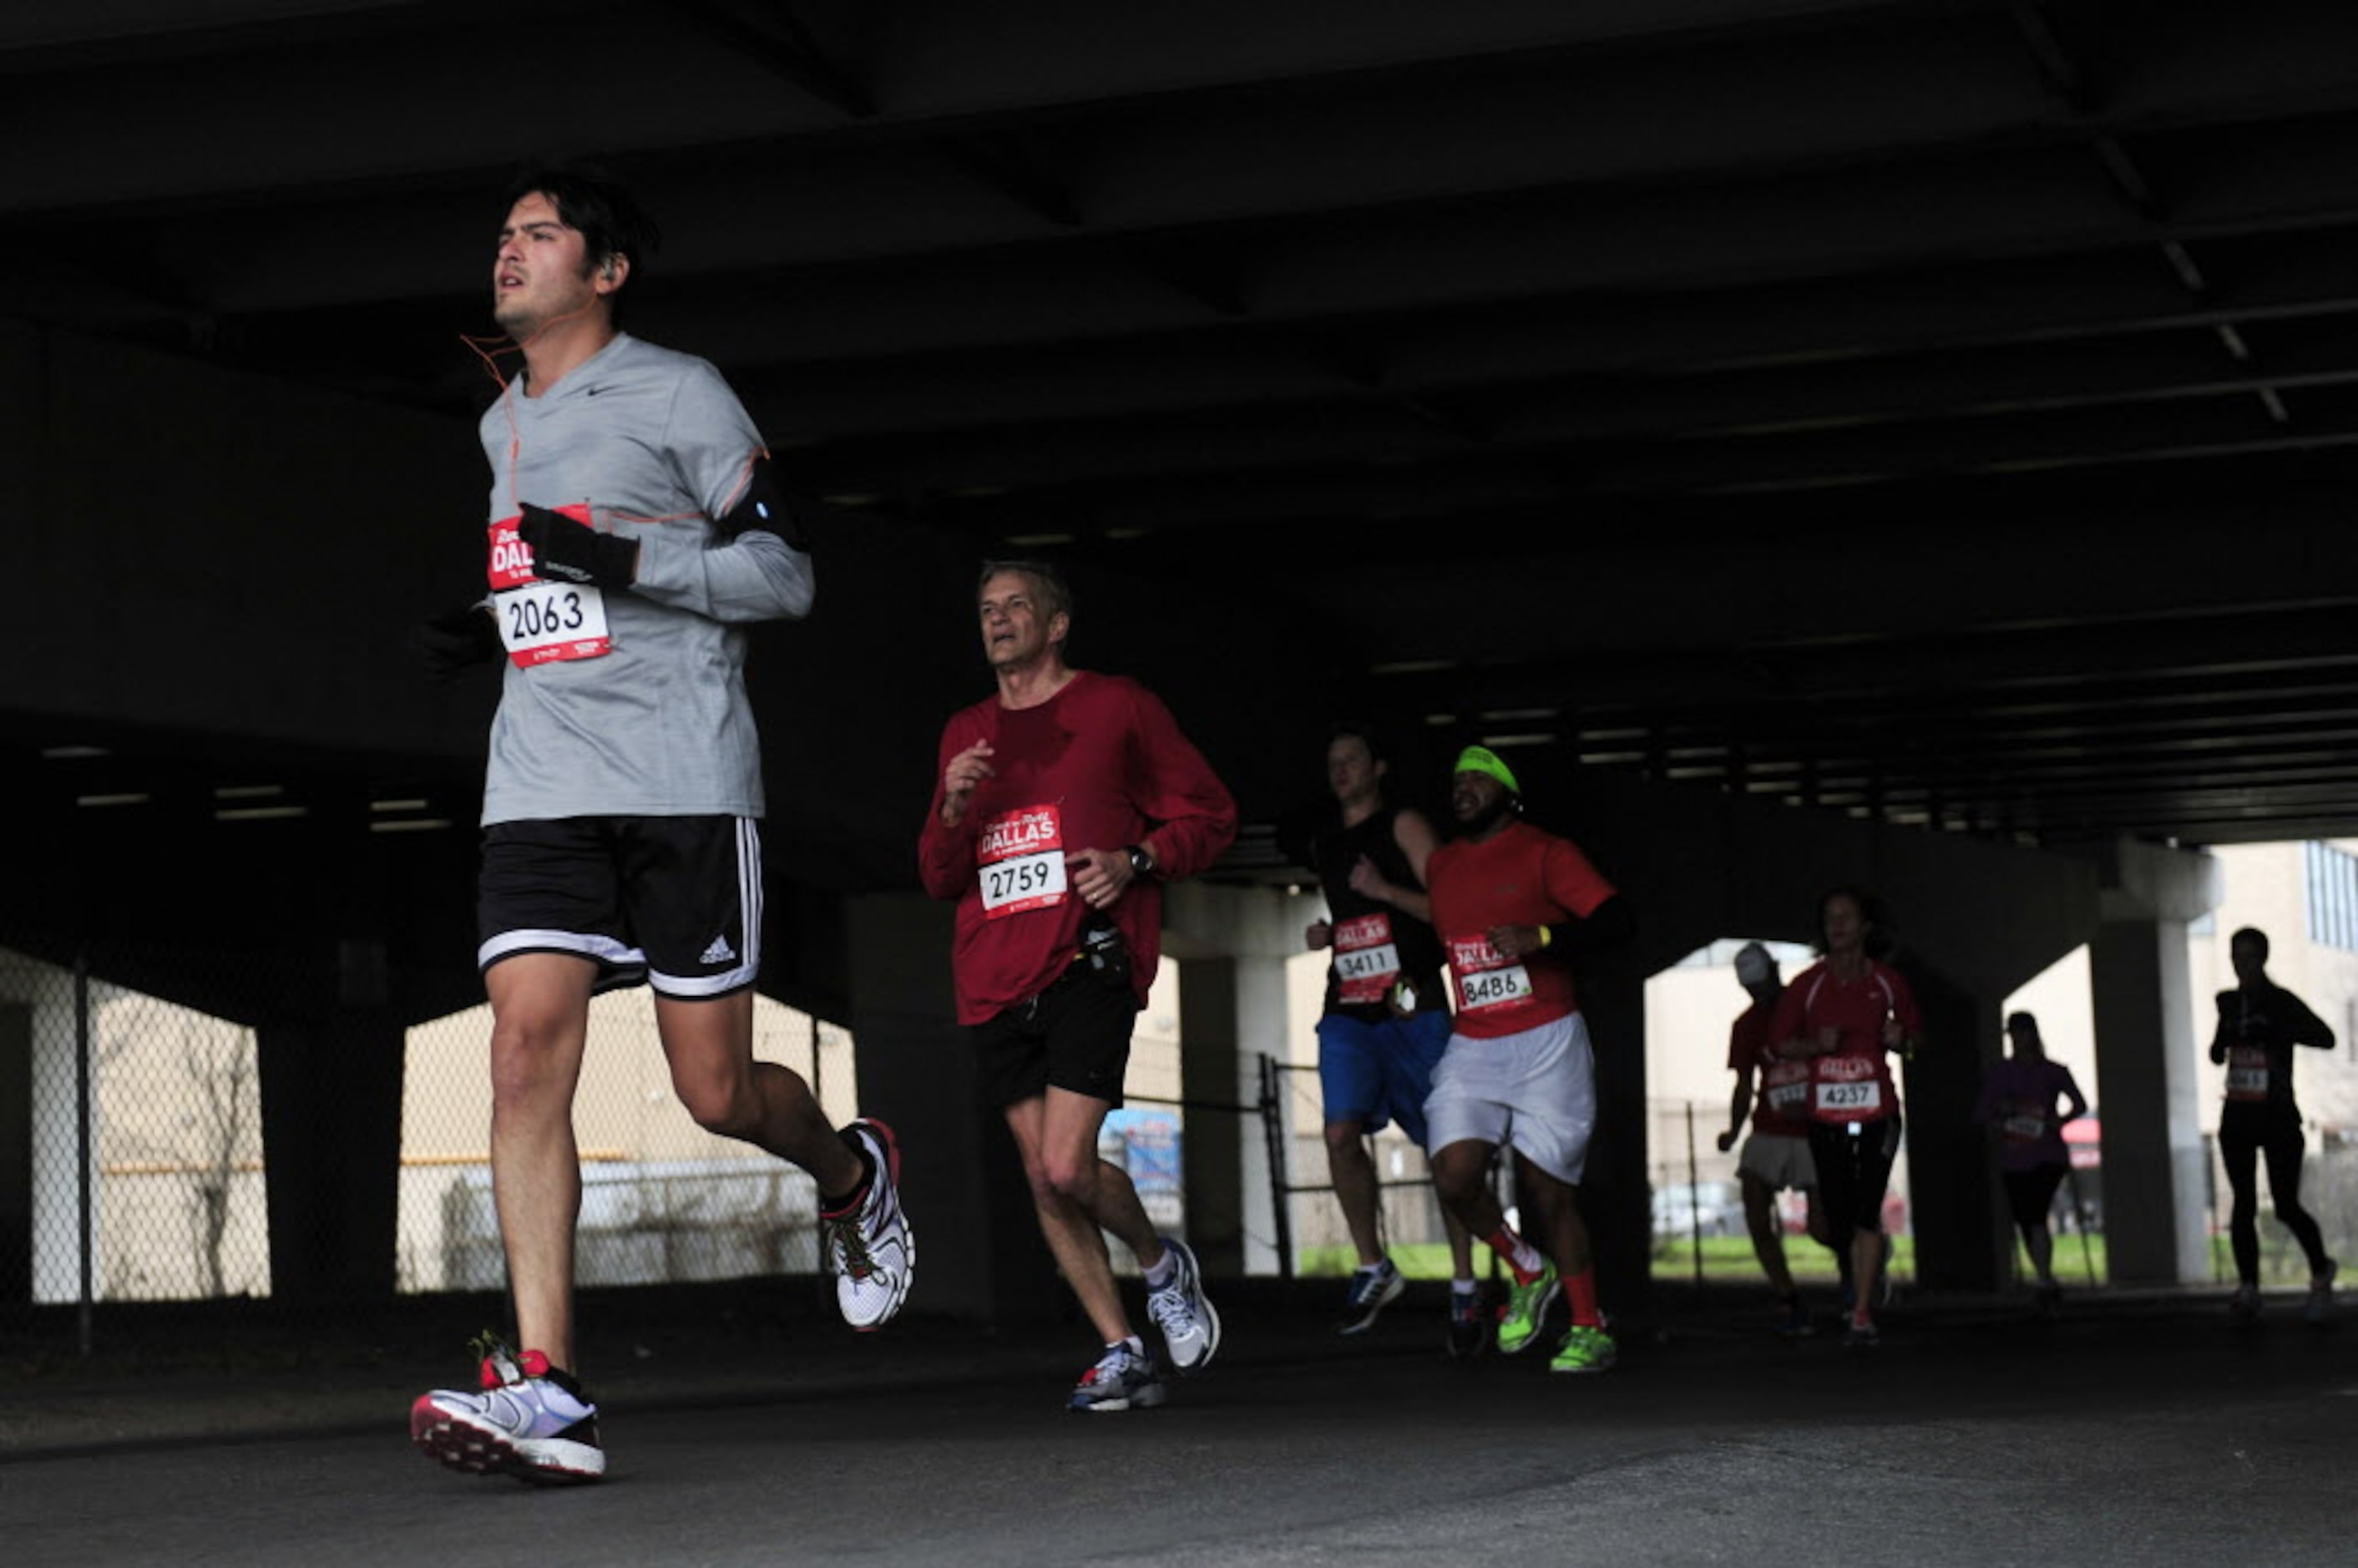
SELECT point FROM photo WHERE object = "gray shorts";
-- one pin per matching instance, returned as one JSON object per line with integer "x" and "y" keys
{"x": 1780, "y": 1160}
{"x": 1534, "y": 1091}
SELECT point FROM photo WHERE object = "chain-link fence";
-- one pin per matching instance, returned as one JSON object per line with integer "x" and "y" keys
{"x": 132, "y": 1158}
{"x": 130, "y": 1147}
{"x": 662, "y": 1200}
{"x": 1408, "y": 1213}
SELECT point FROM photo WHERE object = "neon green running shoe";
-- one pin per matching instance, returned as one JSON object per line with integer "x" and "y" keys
{"x": 1586, "y": 1350}
{"x": 1526, "y": 1309}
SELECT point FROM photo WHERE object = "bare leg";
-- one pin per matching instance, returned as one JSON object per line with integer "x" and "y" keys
{"x": 1768, "y": 1239}
{"x": 1461, "y": 1176}
{"x": 710, "y": 1045}
{"x": 1821, "y": 1228}
{"x": 540, "y": 1024}
{"x": 1865, "y": 1269}
{"x": 1354, "y": 1175}
{"x": 1558, "y": 1226}
{"x": 2040, "y": 1242}
{"x": 1079, "y": 1196}
{"x": 1461, "y": 1246}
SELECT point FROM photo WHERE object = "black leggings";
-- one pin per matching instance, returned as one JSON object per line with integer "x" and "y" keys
{"x": 1854, "y": 1173}
{"x": 2031, "y": 1195}
{"x": 2281, "y": 1141}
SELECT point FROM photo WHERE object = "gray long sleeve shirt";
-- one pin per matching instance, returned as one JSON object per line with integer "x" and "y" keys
{"x": 651, "y": 444}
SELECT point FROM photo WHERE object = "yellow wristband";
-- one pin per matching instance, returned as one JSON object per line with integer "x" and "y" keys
{"x": 1546, "y": 936}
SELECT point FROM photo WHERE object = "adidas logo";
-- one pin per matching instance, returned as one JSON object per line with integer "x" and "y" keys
{"x": 719, "y": 952}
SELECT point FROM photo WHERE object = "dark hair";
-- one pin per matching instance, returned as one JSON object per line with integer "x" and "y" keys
{"x": 1877, "y": 943}
{"x": 589, "y": 198}
{"x": 2015, "y": 1021}
{"x": 1055, "y": 594}
{"x": 2256, "y": 936}
{"x": 1352, "y": 730}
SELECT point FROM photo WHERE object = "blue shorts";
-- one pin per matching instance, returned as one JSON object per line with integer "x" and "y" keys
{"x": 1380, "y": 1073}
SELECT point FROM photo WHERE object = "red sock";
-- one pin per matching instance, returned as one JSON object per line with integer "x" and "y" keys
{"x": 1520, "y": 1255}
{"x": 1580, "y": 1289}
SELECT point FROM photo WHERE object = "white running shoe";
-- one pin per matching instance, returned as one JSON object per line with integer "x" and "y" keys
{"x": 1191, "y": 1329}
{"x": 1123, "y": 1379}
{"x": 524, "y": 1423}
{"x": 871, "y": 1251}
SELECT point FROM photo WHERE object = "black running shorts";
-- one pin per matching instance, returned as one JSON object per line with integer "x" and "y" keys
{"x": 674, "y": 901}
{"x": 1074, "y": 1035}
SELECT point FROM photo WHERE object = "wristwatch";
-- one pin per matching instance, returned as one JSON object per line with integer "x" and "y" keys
{"x": 1141, "y": 864}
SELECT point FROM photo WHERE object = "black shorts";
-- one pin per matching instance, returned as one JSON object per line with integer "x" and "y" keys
{"x": 1074, "y": 1035}
{"x": 2031, "y": 1193}
{"x": 671, "y": 899}
{"x": 1855, "y": 1170}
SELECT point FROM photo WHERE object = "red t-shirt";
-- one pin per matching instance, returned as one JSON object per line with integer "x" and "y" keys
{"x": 1780, "y": 1104}
{"x": 1519, "y": 876}
{"x": 1854, "y": 1083}
{"x": 1099, "y": 765}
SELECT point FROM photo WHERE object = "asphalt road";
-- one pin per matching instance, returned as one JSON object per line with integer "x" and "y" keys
{"x": 2154, "y": 1437}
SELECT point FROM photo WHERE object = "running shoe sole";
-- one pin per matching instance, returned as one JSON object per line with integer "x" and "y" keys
{"x": 1191, "y": 1281}
{"x": 1605, "y": 1362}
{"x": 453, "y": 1441}
{"x": 1147, "y": 1398}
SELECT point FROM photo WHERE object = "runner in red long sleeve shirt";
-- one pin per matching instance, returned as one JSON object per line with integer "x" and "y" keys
{"x": 1064, "y": 802}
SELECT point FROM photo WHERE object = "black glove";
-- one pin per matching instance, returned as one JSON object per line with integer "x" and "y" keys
{"x": 566, "y": 551}
{"x": 446, "y": 644}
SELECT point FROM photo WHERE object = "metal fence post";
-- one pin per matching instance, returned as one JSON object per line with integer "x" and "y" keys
{"x": 2211, "y": 1201}
{"x": 1694, "y": 1196}
{"x": 1281, "y": 1189}
{"x": 82, "y": 1137}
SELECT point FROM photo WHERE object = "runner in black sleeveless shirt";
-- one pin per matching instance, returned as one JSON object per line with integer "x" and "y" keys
{"x": 1386, "y": 1021}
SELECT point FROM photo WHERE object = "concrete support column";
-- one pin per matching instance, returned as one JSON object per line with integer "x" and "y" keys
{"x": 2155, "y": 1171}
{"x": 1614, "y": 1194}
{"x": 1961, "y": 1228}
{"x": 980, "y": 1253}
{"x": 1232, "y": 944}
{"x": 1212, "y": 1072}
{"x": 332, "y": 1152}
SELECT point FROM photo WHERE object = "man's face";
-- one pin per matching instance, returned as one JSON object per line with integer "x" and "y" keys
{"x": 1351, "y": 773}
{"x": 1015, "y": 631}
{"x": 2249, "y": 961}
{"x": 543, "y": 270}
{"x": 1476, "y": 798}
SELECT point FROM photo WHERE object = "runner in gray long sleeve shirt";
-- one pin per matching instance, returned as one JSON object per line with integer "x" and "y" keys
{"x": 654, "y": 446}
{"x": 635, "y": 529}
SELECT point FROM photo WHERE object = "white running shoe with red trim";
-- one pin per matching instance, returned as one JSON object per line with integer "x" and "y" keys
{"x": 525, "y": 1423}
{"x": 871, "y": 1250}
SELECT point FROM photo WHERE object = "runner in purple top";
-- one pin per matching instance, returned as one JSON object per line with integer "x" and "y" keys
{"x": 2019, "y": 1098}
